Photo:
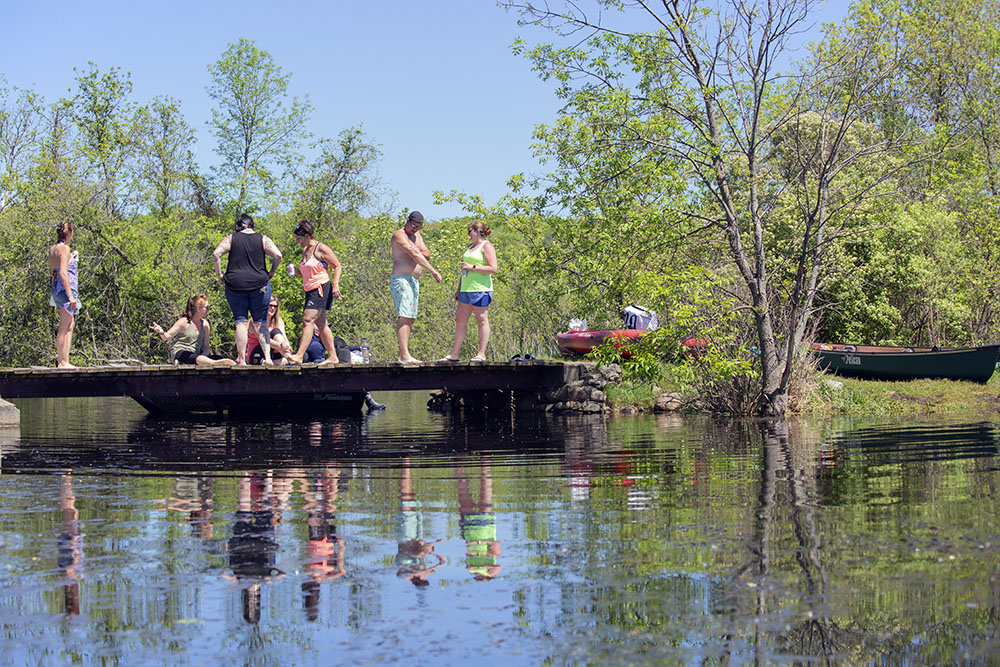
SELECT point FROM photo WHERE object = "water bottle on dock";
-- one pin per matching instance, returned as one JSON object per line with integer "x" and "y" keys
{"x": 366, "y": 353}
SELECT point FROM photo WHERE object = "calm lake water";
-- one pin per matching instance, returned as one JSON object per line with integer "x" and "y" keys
{"x": 417, "y": 538}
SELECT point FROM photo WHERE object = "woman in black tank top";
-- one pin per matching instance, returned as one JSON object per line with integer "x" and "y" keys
{"x": 248, "y": 282}
{"x": 245, "y": 271}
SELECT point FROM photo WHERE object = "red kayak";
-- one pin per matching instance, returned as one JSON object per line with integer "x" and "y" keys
{"x": 582, "y": 342}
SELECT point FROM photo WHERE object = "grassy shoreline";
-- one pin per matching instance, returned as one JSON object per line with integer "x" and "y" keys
{"x": 900, "y": 399}
{"x": 824, "y": 395}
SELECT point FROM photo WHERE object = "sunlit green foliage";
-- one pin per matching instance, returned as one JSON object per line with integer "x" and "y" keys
{"x": 257, "y": 129}
{"x": 822, "y": 193}
{"x": 867, "y": 202}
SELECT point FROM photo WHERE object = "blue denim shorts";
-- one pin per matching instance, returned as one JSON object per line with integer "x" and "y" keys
{"x": 60, "y": 300}
{"x": 477, "y": 299}
{"x": 255, "y": 302}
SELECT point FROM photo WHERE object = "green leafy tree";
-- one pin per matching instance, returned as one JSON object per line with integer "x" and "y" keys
{"x": 105, "y": 125}
{"x": 342, "y": 181}
{"x": 928, "y": 271}
{"x": 20, "y": 129}
{"x": 257, "y": 128}
{"x": 165, "y": 146}
{"x": 700, "y": 100}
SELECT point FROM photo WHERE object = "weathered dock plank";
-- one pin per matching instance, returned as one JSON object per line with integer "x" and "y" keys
{"x": 256, "y": 381}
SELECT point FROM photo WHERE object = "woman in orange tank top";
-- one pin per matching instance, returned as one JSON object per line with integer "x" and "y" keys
{"x": 321, "y": 289}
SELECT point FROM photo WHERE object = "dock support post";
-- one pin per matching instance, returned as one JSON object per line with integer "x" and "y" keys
{"x": 571, "y": 387}
{"x": 9, "y": 414}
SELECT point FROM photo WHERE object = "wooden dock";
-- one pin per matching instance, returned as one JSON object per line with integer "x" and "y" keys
{"x": 309, "y": 387}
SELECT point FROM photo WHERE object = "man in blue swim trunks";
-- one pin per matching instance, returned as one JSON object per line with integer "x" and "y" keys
{"x": 410, "y": 256}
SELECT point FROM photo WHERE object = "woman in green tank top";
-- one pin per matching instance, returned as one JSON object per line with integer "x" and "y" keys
{"x": 475, "y": 291}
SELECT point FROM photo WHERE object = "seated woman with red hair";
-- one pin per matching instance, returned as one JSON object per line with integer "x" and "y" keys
{"x": 190, "y": 336}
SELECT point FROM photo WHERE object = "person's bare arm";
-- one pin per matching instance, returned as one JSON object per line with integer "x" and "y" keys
{"x": 325, "y": 254}
{"x": 281, "y": 340}
{"x": 224, "y": 246}
{"x": 490, "y": 255}
{"x": 421, "y": 246}
{"x": 207, "y": 346}
{"x": 490, "y": 267}
{"x": 171, "y": 332}
{"x": 412, "y": 249}
{"x": 63, "y": 251}
{"x": 272, "y": 251}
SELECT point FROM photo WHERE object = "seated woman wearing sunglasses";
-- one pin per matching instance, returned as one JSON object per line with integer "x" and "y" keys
{"x": 280, "y": 347}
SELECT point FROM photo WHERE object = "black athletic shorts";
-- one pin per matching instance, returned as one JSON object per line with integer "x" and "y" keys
{"x": 316, "y": 302}
{"x": 186, "y": 357}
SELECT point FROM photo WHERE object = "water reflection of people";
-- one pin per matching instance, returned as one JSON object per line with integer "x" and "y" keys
{"x": 326, "y": 434}
{"x": 412, "y": 550}
{"x": 324, "y": 550}
{"x": 193, "y": 496}
{"x": 69, "y": 547}
{"x": 478, "y": 522}
{"x": 252, "y": 548}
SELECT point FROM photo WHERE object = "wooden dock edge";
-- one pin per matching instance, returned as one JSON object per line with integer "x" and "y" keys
{"x": 521, "y": 385}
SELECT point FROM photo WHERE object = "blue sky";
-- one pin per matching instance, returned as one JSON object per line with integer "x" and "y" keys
{"x": 434, "y": 83}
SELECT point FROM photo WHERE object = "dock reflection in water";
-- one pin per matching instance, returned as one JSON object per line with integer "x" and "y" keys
{"x": 410, "y": 537}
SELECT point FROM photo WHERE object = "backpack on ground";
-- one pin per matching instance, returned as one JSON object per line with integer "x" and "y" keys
{"x": 643, "y": 319}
